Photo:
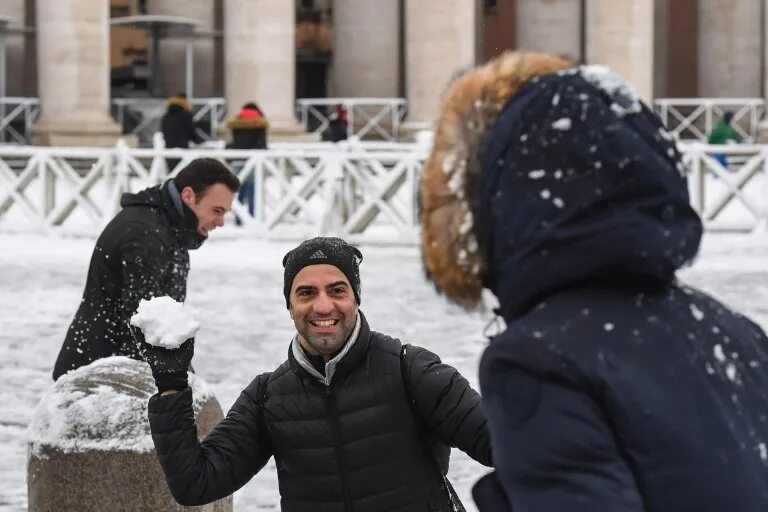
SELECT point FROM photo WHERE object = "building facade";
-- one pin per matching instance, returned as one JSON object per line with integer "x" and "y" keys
{"x": 75, "y": 61}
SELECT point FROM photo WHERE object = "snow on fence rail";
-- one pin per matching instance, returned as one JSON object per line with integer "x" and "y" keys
{"x": 360, "y": 192}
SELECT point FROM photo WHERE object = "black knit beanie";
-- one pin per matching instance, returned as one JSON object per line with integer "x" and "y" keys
{"x": 323, "y": 250}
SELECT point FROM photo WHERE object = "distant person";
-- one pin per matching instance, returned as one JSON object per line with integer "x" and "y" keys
{"x": 337, "y": 125}
{"x": 178, "y": 126}
{"x": 724, "y": 133}
{"x": 143, "y": 253}
{"x": 249, "y": 131}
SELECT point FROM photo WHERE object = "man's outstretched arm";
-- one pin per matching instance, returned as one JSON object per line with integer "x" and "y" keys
{"x": 447, "y": 405}
{"x": 202, "y": 472}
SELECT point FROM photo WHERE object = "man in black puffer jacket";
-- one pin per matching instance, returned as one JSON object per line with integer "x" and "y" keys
{"x": 143, "y": 253}
{"x": 355, "y": 423}
{"x": 614, "y": 388}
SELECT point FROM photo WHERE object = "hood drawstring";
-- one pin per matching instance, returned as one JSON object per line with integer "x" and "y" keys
{"x": 496, "y": 323}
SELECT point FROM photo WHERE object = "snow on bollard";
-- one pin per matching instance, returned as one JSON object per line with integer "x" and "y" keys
{"x": 90, "y": 447}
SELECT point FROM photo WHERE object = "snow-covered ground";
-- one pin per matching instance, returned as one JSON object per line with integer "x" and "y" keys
{"x": 235, "y": 291}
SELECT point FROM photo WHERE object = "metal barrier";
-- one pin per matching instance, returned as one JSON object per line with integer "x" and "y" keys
{"x": 17, "y": 115}
{"x": 728, "y": 185}
{"x": 141, "y": 116}
{"x": 363, "y": 194}
{"x": 367, "y": 117}
{"x": 694, "y": 118}
{"x": 360, "y": 195}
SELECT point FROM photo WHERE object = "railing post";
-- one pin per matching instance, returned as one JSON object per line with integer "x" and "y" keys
{"x": 122, "y": 172}
{"x": 763, "y": 222}
{"x": 350, "y": 106}
{"x": 334, "y": 216}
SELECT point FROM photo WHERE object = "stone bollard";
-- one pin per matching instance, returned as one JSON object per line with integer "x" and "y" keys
{"x": 90, "y": 447}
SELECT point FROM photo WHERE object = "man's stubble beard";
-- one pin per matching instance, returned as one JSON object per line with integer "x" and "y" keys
{"x": 316, "y": 342}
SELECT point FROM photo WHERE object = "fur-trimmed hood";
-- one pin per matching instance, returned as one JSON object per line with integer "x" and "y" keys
{"x": 179, "y": 101}
{"x": 248, "y": 123}
{"x": 543, "y": 175}
{"x": 473, "y": 102}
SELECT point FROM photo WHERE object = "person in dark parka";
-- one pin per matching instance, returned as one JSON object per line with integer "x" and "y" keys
{"x": 249, "y": 131}
{"x": 178, "y": 126}
{"x": 614, "y": 386}
{"x": 354, "y": 421}
{"x": 143, "y": 253}
{"x": 337, "y": 125}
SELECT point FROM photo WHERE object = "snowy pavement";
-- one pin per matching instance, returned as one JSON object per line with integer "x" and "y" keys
{"x": 235, "y": 291}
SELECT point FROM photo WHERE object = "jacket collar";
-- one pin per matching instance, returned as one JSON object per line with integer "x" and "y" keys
{"x": 343, "y": 362}
{"x": 182, "y": 218}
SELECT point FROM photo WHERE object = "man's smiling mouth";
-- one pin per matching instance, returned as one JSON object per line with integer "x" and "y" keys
{"x": 324, "y": 323}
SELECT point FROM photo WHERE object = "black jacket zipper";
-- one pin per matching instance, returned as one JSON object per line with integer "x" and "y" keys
{"x": 330, "y": 401}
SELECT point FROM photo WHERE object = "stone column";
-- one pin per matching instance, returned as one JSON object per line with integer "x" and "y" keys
{"x": 366, "y": 48}
{"x": 620, "y": 35}
{"x": 441, "y": 40}
{"x": 73, "y": 74}
{"x": 661, "y": 48}
{"x": 552, "y": 26}
{"x": 729, "y": 48}
{"x": 173, "y": 49}
{"x": 14, "y": 47}
{"x": 260, "y": 62}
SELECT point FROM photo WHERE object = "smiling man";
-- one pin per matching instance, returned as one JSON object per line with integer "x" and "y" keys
{"x": 143, "y": 253}
{"x": 356, "y": 421}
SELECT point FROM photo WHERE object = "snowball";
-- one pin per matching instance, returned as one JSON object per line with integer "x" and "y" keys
{"x": 537, "y": 174}
{"x": 164, "y": 322}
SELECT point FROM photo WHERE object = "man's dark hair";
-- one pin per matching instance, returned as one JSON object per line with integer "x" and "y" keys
{"x": 201, "y": 173}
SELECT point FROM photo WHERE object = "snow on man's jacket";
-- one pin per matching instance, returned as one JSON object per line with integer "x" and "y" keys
{"x": 141, "y": 253}
{"x": 614, "y": 387}
{"x": 350, "y": 446}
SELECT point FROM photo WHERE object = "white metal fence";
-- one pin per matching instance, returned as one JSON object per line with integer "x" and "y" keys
{"x": 694, "y": 118}
{"x": 141, "y": 116}
{"x": 367, "y": 117}
{"x": 360, "y": 192}
{"x": 17, "y": 115}
{"x": 299, "y": 192}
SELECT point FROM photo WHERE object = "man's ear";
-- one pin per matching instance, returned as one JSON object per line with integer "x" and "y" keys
{"x": 188, "y": 196}
{"x": 290, "y": 311}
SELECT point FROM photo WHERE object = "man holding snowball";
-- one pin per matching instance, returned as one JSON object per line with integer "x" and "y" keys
{"x": 143, "y": 253}
{"x": 354, "y": 419}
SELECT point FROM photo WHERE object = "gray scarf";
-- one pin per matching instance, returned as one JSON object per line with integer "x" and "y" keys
{"x": 330, "y": 366}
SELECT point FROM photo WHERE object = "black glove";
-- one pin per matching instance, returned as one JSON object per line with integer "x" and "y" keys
{"x": 169, "y": 366}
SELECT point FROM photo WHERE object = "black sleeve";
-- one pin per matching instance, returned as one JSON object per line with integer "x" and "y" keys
{"x": 203, "y": 472}
{"x": 446, "y": 404}
{"x": 553, "y": 447}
